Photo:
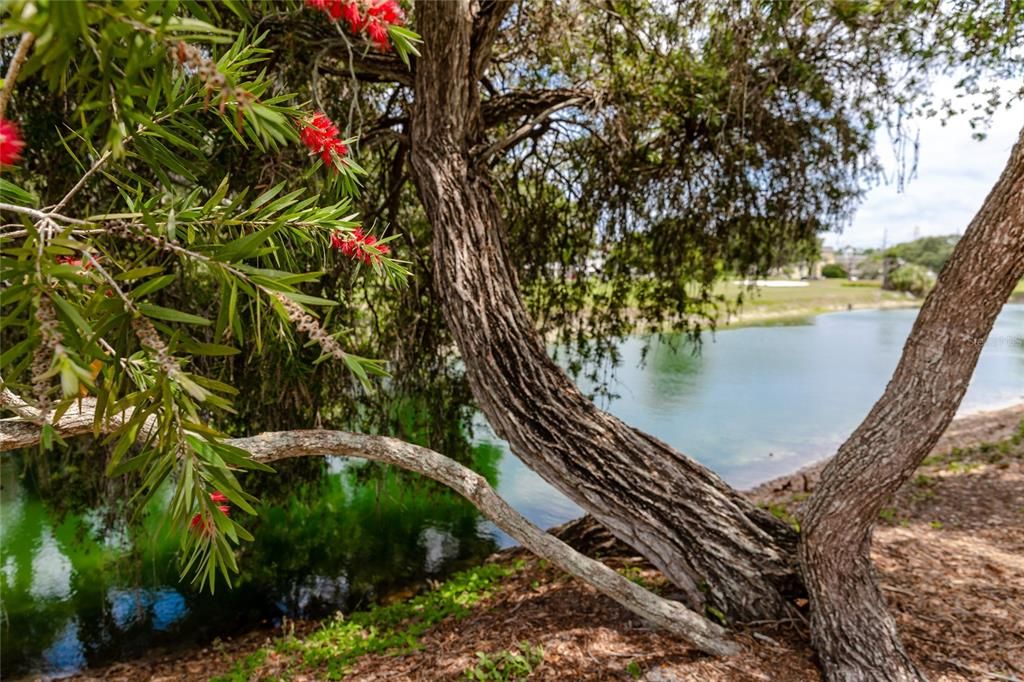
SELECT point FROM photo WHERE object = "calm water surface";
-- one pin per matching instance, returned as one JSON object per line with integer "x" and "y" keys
{"x": 757, "y": 403}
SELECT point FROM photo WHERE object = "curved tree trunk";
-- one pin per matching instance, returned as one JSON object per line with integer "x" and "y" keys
{"x": 853, "y": 633}
{"x": 709, "y": 540}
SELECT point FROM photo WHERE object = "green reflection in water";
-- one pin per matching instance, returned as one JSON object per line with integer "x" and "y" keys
{"x": 81, "y": 590}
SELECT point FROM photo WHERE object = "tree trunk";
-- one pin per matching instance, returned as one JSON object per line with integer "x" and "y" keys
{"x": 853, "y": 633}
{"x": 710, "y": 541}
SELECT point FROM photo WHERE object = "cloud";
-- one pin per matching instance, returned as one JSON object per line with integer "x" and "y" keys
{"x": 954, "y": 174}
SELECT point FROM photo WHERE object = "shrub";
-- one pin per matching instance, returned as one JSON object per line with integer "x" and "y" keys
{"x": 834, "y": 271}
{"x": 911, "y": 278}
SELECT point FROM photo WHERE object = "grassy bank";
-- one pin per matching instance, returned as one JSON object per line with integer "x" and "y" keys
{"x": 781, "y": 304}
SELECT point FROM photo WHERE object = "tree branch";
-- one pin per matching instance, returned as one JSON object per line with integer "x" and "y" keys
{"x": 41, "y": 215}
{"x": 485, "y": 31}
{"x": 518, "y": 103}
{"x": 270, "y": 447}
{"x": 526, "y": 129}
{"x": 20, "y": 55}
{"x": 16, "y": 405}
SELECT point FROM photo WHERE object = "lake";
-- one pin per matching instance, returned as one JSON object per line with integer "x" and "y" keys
{"x": 758, "y": 402}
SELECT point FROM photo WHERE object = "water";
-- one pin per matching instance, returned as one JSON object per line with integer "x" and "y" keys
{"x": 757, "y": 403}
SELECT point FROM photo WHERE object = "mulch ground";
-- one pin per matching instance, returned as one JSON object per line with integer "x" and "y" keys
{"x": 950, "y": 555}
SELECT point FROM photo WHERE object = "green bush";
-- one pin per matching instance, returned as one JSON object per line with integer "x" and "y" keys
{"x": 929, "y": 252}
{"x": 506, "y": 666}
{"x": 834, "y": 271}
{"x": 911, "y": 278}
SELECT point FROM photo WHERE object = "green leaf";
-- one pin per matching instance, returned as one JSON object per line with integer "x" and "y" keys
{"x": 139, "y": 273}
{"x": 72, "y": 314}
{"x": 247, "y": 246}
{"x": 308, "y": 300}
{"x": 11, "y": 193}
{"x": 160, "y": 313}
{"x": 150, "y": 286}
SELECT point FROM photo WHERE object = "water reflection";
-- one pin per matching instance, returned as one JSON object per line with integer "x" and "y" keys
{"x": 161, "y": 608}
{"x": 74, "y": 592}
{"x": 338, "y": 534}
{"x": 67, "y": 652}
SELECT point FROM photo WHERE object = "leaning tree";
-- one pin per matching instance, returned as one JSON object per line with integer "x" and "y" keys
{"x": 518, "y": 143}
{"x": 678, "y": 141}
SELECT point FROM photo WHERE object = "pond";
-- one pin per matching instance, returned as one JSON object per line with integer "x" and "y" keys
{"x": 757, "y": 403}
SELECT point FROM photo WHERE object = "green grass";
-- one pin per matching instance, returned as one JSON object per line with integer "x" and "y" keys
{"x": 393, "y": 629}
{"x": 782, "y": 513}
{"x": 817, "y": 297}
{"x": 959, "y": 460}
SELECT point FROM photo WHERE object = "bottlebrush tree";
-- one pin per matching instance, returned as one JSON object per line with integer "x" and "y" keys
{"x": 151, "y": 93}
{"x": 676, "y": 141}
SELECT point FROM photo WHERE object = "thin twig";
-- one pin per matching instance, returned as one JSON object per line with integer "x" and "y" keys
{"x": 82, "y": 180}
{"x": 978, "y": 671}
{"x": 106, "y": 155}
{"x": 42, "y": 215}
{"x": 21, "y": 234}
{"x": 20, "y": 55}
{"x": 110, "y": 280}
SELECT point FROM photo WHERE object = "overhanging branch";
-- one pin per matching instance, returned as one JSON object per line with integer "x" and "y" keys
{"x": 271, "y": 447}
{"x": 525, "y": 130}
{"x": 285, "y": 30}
{"x": 518, "y": 103}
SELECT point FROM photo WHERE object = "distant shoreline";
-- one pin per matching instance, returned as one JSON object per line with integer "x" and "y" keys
{"x": 756, "y": 318}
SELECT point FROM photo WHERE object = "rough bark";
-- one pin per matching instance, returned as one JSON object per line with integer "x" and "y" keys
{"x": 270, "y": 447}
{"x": 710, "y": 541}
{"x": 853, "y": 633}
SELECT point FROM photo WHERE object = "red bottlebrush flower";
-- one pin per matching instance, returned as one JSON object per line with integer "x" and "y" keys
{"x": 388, "y": 11}
{"x": 201, "y": 525}
{"x": 204, "y": 525}
{"x": 338, "y": 147}
{"x": 218, "y": 496}
{"x": 320, "y": 135}
{"x": 349, "y": 11}
{"x": 11, "y": 142}
{"x": 338, "y": 241}
{"x": 77, "y": 262}
{"x": 373, "y": 16}
{"x": 378, "y": 33}
{"x": 360, "y": 246}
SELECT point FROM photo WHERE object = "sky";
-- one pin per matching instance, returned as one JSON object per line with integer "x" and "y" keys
{"x": 954, "y": 175}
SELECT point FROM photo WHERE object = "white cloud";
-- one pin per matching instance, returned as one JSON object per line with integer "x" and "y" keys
{"x": 954, "y": 174}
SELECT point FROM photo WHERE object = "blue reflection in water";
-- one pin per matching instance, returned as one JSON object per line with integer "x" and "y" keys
{"x": 67, "y": 652}
{"x": 161, "y": 607}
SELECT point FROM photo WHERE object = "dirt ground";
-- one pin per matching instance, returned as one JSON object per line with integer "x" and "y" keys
{"x": 950, "y": 554}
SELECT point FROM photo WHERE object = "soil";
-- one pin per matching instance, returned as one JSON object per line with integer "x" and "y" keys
{"x": 950, "y": 556}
